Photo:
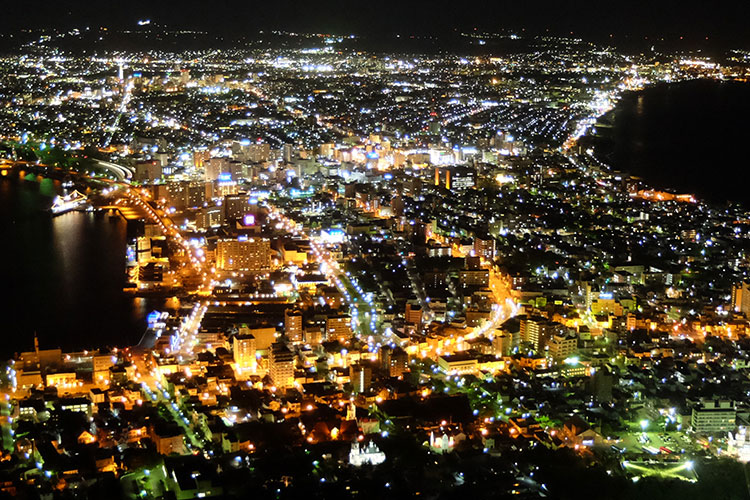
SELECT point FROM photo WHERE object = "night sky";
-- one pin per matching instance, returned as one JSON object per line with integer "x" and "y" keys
{"x": 720, "y": 20}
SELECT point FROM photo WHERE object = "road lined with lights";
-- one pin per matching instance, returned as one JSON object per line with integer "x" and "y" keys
{"x": 186, "y": 338}
{"x": 504, "y": 306}
{"x": 363, "y": 312}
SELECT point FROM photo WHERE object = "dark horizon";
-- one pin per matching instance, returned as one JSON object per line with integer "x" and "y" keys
{"x": 695, "y": 21}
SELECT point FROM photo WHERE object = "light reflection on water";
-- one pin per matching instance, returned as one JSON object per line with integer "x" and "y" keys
{"x": 64, "y": 275}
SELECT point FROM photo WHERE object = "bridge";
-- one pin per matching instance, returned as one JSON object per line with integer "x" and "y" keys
{"x": 121, "y": 173}
{"x": 128, "y": 211}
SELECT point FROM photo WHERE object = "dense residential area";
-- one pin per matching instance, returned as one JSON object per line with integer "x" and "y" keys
{"x": 383, "y": 275}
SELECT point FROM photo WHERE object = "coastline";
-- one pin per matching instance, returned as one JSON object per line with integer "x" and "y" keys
{"x": 671, "y": 135}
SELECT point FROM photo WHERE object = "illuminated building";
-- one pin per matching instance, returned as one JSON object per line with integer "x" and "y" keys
{"x": 151, "y": 275}
{"x": 200, "y": 158}
{"x": 368, "y": 454}
{"x": 293, "y": 325}
{"x": 252, "y": 254}
{"x": 281, "y": 365}
{"x": 502, "y": 343}
{"x": 236, "y": 206}
{"x": 413, "y": 314}
{"x": 243, "y": 351}
{"x": 294, "y": 252}
{"x": 537, "y": 330}
{"x": 739, "y": 444}
{"x": 215, "y": 167}
{"x": 443, "y": 444}
{"x": 313, "y": 334}
{"x": 455, "y": 177}
{"x": 250, "y": 151}
{"x": 78, "y": 404}
{"x": 101, "y": 364}
{"x": 479, "y": 277}
{"x": 713, "y": 416}
{"x": 287, "y": 153}
{"x": 458, "y": 364}
{"x": 360, "y": 375}
{"x": 163, "y": 158}
{"x": 394, "y": 361}
{"x": 562, "y": 346}
{"x": 182, "y": 195}
{"x": 62, "y": 379}
{"x": 484, "y": 246}
{"x": 339, "y": 328}
{"x": 264, "y": 336}
{"x": 225, "y": 186}
{"x": 741, "y": 298}
{"x": 168, "y": 439}
{"x": 208, "y": 217}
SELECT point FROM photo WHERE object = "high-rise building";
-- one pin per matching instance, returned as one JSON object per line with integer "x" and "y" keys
{"x": 562, "y": 346}
{"x": 484, "y": 246}
{"x": 537, "y": 331}
{"x": 182, "y": 195}
{"x": 225, "y": 186}
{"x": 293, "y": 325}
{"x": 360, "y": 375}
{"x": 455, "y": 177}
{"x": 281, "y": 365}
{"x": 394, "y": 361}
{"x": 413, "y": 314}
{"x": 236, "y": 206}
{"x": 243, "y": 351}
{"x": 250, "y": 151}
{"x": 200, "y": 158}
{"x": 741, "y": 298}
{"x": 313, "y": 334}
{"x": 208, "y": 217}
{"x": 259, "y": 152}
{"x": 251, "y": 254}
{"x": 215, "y": 167}
{"x": 339, "y": 328}
{"x": 502, "y": 343}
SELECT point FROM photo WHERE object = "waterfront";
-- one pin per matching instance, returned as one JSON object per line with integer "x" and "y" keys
{"x": 688, "y": 136}
{"x": 63, "y": 276}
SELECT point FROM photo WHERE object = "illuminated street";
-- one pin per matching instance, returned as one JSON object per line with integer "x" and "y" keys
{"x": 374, "y": 250}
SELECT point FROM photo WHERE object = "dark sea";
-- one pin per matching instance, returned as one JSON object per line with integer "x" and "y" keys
{"x": 692, "y": 137}
{"x": 63, "y": 276}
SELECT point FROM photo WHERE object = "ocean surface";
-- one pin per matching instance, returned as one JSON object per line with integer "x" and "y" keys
{"x": 62, "y": 277}
{"x": 692, "y": 137}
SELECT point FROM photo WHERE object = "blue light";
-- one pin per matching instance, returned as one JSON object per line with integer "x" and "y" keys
{"x": 153, "y": 317}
